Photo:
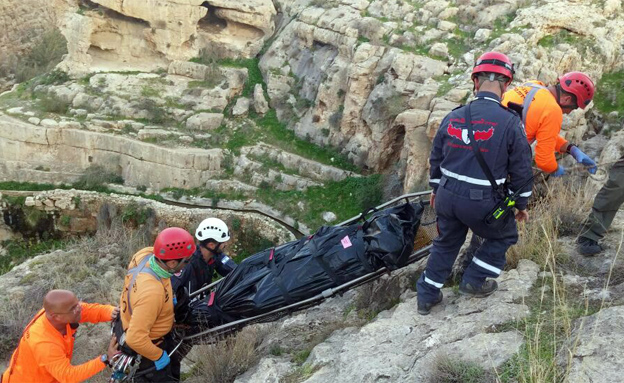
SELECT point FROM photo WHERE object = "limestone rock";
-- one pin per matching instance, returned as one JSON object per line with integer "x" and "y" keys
{"x": 148, "y": 36}
{"x": 242, "y": 107}
{"x": 204, "y": 121}
{"x": 48, "y": 123}
{"x": 73, "y": 150}
{"x": 329, "y": 216}
{"x": 260, "y": 104}
{"x": 34, "y": 120}
{"x": 439, "y": 50}
{"x": 595, "y": 353}
{"x": 482, "y": 34}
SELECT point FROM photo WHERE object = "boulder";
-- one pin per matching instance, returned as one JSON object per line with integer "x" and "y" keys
{"x": 595, "y": 352}
{"x": 242, "y": 107}
{"x": 329, "y": 216}
{"x": 260, "y": 104}
{"x": 204, "y": 121}
{"x": 439, "y": 50}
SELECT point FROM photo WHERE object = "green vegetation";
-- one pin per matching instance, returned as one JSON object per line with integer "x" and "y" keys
{"x": 445, "y": 84}
{"x": 19, "y": 251}
{"x": 269, "y": 129}
{"x": 47, "y": 51}
{"x": 501, "y": 26}
{"x": 562, "y": 37}
{"x": 610, "y": 92}
{"x": 29, "y": 186}
{"x": 345, "y": 198}
{"x": 251, "y": 242}
{"x": 301, "y": 356}
{"x": 448, "y": 370}
{"x": 136, "y": 214}
{"x": 149, "y": 91}
{"x": 65, "y": 220}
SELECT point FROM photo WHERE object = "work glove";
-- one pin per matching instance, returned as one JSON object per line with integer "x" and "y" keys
{"x": 584, "y": 159}
{"x": 162, "y": 362}
{"x": 559, "y": 172}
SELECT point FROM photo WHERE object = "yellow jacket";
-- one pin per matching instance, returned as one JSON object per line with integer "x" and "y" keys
{"x": 151, "y": 301}
{"x": 44, "y": 354}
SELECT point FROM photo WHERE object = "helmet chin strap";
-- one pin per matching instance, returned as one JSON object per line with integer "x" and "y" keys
{"x": 567, "y": 106}
{"x": 216, "y": 249}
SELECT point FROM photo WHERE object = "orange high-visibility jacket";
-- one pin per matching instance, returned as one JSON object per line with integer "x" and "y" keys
{"x": 543, "y": 124}
{"x": 44, "y": 354}
{"x": 151, "y": 301}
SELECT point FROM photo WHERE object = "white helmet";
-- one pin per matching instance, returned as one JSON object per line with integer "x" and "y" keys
{"x": 212, "y": 228}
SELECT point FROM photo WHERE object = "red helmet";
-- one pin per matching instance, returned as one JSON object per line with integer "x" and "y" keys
{"x": 580, "y": 85}
{"x": 494, "y": 62}
{"x": 173, "y": 243}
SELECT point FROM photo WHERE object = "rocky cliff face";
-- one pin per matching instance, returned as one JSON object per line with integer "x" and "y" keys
{"x": 371, "y": 78}
{"x": 127, "y": 34}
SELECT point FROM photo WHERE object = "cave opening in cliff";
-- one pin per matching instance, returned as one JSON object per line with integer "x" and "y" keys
{"x": 211, "y": 22}
{"x": 393, "y": 143}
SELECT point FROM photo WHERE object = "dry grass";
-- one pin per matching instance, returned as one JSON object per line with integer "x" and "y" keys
{"x": 548, "y": 330}
{"x": 92, "y": 267}
{"x": 448, "y": 370}
{"x": 224, "y": 361}
{"x": 559, "y": 212}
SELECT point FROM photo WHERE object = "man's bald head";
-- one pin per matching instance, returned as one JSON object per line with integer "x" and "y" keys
{"x": 59, "y": 301}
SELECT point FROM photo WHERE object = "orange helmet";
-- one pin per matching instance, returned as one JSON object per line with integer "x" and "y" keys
{"x": 580, "y": 85}
{"x": 173, "y": 243}
{"x": 494, "y": 62}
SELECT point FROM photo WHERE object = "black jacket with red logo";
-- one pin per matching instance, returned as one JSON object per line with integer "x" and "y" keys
{"x": 500, "y": 135}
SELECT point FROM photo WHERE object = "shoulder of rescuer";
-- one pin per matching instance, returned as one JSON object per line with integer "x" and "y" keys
{"x": 543, "y": 124}
{"x": 149, "y": 315}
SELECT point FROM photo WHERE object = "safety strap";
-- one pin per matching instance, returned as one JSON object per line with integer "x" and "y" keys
{"x": 529, "y": 98}
{"x": 135, "y": 271}
{"x": 277, "y": 278}
{"x": 477, "y": 152}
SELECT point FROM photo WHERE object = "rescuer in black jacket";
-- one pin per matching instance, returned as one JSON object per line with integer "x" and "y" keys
{"x": 211, "y": 234}
{"x": 462, "y": 194}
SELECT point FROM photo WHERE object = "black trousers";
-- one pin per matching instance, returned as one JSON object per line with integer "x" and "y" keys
{"x": 147, "y": 372}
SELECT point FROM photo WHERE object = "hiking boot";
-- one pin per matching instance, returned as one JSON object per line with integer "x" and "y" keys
{"x": 424, "y": 308}
{"x": 487, "y": 288}
{"x": 588, "y": 247}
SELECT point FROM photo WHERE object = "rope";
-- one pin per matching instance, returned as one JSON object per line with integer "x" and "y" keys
{"x": 581, "y": 171}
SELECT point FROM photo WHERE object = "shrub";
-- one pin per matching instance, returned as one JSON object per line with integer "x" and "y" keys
{"x": 156, "y": 113}
{"x": 46, "y": 52}
{"x": 136, "y": 214}
{"x": 94, "y": 178}
{"x": 53, "y": 104}
{"x": 448, "y": 370}
{"x": 224, "y": 361}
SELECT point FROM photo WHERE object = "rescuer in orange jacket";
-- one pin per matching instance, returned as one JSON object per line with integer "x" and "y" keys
{"x": 147, "y": 303}
{"x": 543, "y": 108}
{"x": 45, "y": 349}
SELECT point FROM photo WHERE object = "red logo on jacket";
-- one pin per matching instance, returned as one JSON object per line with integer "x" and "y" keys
{"x": 462, "y": 134}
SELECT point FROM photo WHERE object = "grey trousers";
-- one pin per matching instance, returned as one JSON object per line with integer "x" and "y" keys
{"x": 606, "y": 204}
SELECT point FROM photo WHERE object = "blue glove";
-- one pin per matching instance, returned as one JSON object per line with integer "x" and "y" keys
{"x": 559, "y": 172}
{"x": 162, "y": 362}
{"x": 584, "y": 159}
